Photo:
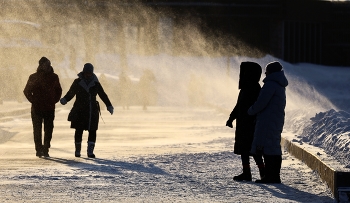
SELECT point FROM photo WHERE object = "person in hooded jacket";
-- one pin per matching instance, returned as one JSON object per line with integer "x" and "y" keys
{"x": 269, "y": 109}
{"x": 250, "y": 73}
{"x": 84, "y": 114}
{"x": 43, "y": 91}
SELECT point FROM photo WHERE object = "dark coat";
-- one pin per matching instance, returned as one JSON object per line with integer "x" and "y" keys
{"x": 43, "y": 90}
{"x": 250, "y": 74}
{"x": 269, "y": 109}
{"x": 85, "y": 112}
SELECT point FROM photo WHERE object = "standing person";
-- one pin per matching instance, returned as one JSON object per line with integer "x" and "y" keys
{"x": 124, "y": 89}
{"x": 249, "y": 86}
{"x": 147, "y": 88}
{"x": 269, "y": 109}
{"x": 85, "y": 112}
{"x": 43, "y": 90}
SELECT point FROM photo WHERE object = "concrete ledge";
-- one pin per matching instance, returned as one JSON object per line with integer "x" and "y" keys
{"x": 337, "y": 181}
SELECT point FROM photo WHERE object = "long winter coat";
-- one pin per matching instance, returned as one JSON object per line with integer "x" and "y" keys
{"x": 85, "y": 112}
{"x": 250, "y": 74}
{"x": 269, "y": 109}
{"x": 43, "y": 90}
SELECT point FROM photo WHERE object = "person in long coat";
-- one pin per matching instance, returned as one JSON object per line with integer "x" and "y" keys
{"x": 43, "y": 90}
{"x": 269, "y": 109}
{"x": 250, "y": 73}
{"x": 85, "y": 112}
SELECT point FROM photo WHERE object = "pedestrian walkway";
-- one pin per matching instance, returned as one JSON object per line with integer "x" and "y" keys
{"x": 164, "y": 154}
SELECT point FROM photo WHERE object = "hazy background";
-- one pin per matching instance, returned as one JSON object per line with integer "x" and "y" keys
{"x": 139, "y": 53}
{"x": 117, "y": 36}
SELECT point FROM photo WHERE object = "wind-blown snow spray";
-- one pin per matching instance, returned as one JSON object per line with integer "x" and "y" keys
{"x": 189, "y": 67}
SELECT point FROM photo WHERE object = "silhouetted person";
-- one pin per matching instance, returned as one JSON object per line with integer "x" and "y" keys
{"x": 146, "y": 87}
{"x": 124, "y": 89}
{"x": 249, "y": 86}
{"x": 85, "y": 112}
{"x": 269, "y": 109}
{"x": 43, "y": 90}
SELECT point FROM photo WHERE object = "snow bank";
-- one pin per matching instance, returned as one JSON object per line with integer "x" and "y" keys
{"x": 330, "y": 131}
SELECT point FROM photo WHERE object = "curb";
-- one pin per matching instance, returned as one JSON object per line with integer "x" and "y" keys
{"x": 337, "y": 181}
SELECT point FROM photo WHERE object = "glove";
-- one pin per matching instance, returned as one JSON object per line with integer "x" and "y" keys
{"x": 110, "y": 109}
{"x": 229, "y": 123}
{"x": 63, "y": 101}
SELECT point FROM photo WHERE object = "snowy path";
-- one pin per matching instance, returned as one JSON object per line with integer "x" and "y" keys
{"x": 162, "y": 155}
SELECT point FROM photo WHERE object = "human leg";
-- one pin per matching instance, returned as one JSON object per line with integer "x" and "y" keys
{"x": 91, "y": 143}
{"x": 258, "y": 158}
{"x": 78, "y": 137}
{"x": 272, "y": 169}
{"x": 246, "y": 175}
{"x": 277, "y": 163}
{"x": 37, "y": 128}
{"x": 49, "y": 117}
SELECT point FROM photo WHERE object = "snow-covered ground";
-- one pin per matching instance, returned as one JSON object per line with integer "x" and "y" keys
{"x": 164, "y": 154}
{"x": 173, "y": 153}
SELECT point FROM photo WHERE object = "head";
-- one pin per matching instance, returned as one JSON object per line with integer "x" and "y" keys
{"x": 44, "y": 64}
{"x": 88, "y": 70}
{"x": 250, "y": 73}
{"x": 273, "y": 67}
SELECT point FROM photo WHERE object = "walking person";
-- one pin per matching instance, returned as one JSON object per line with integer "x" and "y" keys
{"x": 147, "y": 89}
{"x": 269, "y": 109}
{"x": 85, "y": 112}
{"x": 249, "y": 77}
{"x": 43, "y": 91}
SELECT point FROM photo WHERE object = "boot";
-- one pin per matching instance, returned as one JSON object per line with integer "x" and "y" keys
{"x": 272, "y": 169}
{"x": 77, "y": 149}
{"x": 46, "y": 152}
{"x": 90, "y": 150}
{"x": 245, "y": 176}
{"x": 39, "y": 150}
{"x": 46, "y": 145}
{"x": 39, "y": 154}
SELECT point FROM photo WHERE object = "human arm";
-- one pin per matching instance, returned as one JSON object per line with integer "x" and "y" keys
{"x": 70, "y": 94}
{"x": 57, "y": 89}
{"x": 264, "y": 98}
{"x": 28, "y": 90}
{"x": 102, "y": 94}
{"x": 232, "y": 117}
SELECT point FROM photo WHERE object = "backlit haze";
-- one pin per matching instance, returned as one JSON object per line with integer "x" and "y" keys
{"x": 191, "y": 67}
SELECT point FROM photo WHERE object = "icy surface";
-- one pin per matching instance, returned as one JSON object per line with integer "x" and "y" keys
{"x": 164, "y": 154}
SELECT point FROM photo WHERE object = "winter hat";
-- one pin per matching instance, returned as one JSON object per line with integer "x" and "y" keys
{"x": 273, "y": 67}
{"x": 43, "y": 60}
{"x": 88, "y": 67}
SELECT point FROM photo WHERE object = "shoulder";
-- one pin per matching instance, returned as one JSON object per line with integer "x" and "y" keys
{"x": 76, "y": 81}
{"x": 98, "y": 84}
{"x": 269, "y": 84}
{"x": 54, "y": 76}
{"x": 33, "y": 75}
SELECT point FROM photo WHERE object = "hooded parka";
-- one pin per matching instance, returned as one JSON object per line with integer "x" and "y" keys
{"x": 85, "y": 112}
{"x": 249, "y": 86}
{"x": 43, "y": 89}
{"x": 269, "y": 109}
